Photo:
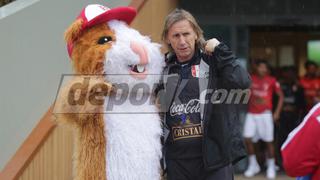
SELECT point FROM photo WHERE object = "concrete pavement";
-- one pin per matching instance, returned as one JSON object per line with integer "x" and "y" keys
{"x": 262, "y": 176}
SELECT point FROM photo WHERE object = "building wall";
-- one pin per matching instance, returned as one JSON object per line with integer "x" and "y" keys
{"x": 151, "y": 18}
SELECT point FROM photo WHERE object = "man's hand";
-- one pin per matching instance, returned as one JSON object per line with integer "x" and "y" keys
{"x": 211, "y": 44}
{"x": 276, "y": 117}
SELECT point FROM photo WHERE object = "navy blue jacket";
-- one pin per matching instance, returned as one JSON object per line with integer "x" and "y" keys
{"x": 219, "y": 72}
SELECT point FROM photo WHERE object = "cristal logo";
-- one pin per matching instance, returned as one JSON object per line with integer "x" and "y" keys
{"x": 193, "y": 106}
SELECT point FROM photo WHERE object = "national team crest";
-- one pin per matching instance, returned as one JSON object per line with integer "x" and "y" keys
{"x": 195, "y": 71}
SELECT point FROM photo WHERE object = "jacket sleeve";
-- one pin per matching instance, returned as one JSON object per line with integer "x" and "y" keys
{"x": 229, "y": 70}
{"x": 301, "y": 151}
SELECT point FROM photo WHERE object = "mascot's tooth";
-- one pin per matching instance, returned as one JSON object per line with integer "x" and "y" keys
{"x": 140, "y": 68}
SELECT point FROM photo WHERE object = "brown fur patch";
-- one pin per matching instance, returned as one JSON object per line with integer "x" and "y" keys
{"x": 87, "y": 121}
{"x": 88, "y": 124}
{"x": 88, "y": 56}
{"x": 73, "y": 31}
{"x": 90, "y": 149}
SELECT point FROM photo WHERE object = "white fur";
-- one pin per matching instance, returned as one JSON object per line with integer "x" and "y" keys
{"x": 133, "y": 140}
{"x": 133, "y": 146}
{"x": 120, "y": 55}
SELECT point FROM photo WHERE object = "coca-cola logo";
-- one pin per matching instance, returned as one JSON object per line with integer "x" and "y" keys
{"x": 193, "y": 106}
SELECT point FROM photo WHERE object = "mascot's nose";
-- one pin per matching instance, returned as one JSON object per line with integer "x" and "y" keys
{"x": 141, "y": 51}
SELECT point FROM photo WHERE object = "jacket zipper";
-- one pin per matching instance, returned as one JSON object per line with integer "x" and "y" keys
{"x": 205, "y": 125}
{"x": 176, "y": 89}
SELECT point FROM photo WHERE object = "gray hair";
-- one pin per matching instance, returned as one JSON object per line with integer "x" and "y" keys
{"x": 179, "y": 15}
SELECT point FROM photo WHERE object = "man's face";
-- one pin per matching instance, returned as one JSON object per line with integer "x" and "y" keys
{"x": 182, "y": 39}
{"x": 312, "y": 70}
{"x": 262, "y": 69}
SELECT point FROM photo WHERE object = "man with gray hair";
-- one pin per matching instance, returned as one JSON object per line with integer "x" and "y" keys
{"x": 203, "y": 137}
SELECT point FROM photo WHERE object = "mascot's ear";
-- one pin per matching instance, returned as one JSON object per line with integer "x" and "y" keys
{"x": 73, "y": 31}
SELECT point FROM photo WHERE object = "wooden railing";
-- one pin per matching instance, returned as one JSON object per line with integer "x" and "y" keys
{"x": 29, "y": 148}
{"x": 53, "y": 160}
{"x": 4, "y": 2}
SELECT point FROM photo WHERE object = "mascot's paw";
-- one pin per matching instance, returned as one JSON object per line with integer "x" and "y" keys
{"x": 211, "y": 44}
{"x": 82, "y": 98}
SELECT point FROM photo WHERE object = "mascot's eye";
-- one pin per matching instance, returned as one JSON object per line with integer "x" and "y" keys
{"x": 104, "y": 39}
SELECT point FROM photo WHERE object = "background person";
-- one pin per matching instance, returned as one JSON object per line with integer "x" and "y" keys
{"x": 293, "y": 105}
{"x": 311, "y": 84}
{"x": 301, "y": 151}
{"x": 259, "y": 120}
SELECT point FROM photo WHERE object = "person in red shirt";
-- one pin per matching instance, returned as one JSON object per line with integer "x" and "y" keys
{"x": 311, "y": 84}
{"x": 301, "y": 151}
{"x": 259, "y": 120}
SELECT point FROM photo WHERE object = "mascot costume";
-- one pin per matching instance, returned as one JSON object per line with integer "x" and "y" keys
{"x": 112, "y": 146}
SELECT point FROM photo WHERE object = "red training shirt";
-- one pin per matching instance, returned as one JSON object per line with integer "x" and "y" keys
{"x": 262, "y": 89}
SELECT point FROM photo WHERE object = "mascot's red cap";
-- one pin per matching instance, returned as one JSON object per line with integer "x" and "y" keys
{"x": 94, "y": 14}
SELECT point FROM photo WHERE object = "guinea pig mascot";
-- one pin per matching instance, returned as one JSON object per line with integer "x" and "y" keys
{"x": 123, "y": 143}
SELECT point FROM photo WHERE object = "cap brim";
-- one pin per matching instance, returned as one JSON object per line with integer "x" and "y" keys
{"x": 126, "y": 14}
